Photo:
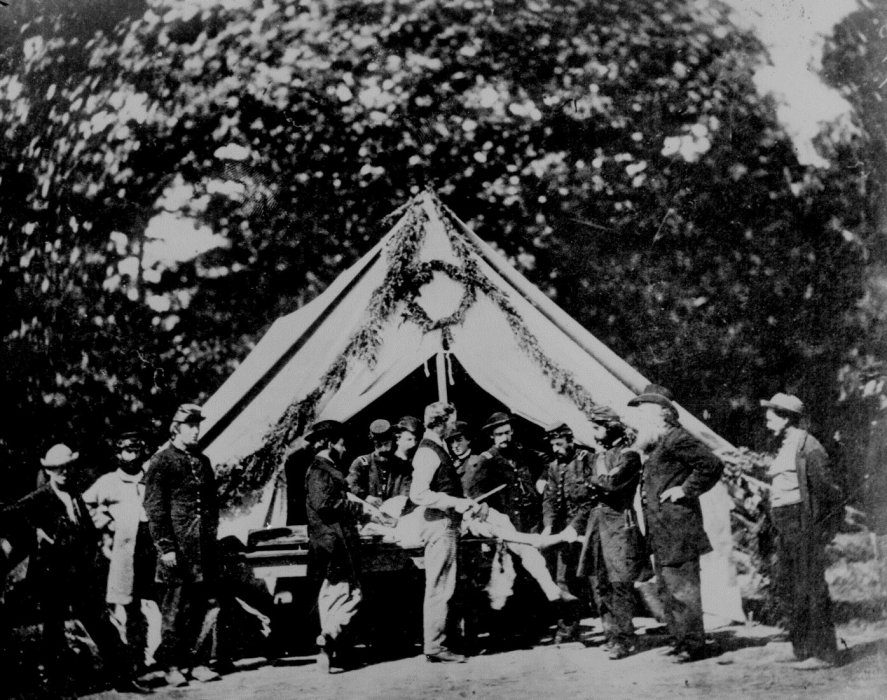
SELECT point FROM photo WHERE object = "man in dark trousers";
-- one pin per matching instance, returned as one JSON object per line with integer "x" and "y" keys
{"x": 613, "y": 554}
{"x": 436, "y": 487}
{"x": 333, "y": 541}
{"x": 677, "y": 470}
{"x": 183, "y": 517}
{"x": 53, "y": 526}
{"x": 565, "y": 506}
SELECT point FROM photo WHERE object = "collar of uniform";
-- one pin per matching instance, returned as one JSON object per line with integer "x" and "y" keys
{"x": 184, "y": 452}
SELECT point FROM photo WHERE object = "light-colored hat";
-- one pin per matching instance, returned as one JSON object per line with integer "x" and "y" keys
{"x": 785, "y": 402}
{"x": 380, "y": 429}
{"x": 58, "y": 456}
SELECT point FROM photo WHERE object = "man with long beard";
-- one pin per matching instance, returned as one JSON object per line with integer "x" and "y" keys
{"x": 677, "y": 470}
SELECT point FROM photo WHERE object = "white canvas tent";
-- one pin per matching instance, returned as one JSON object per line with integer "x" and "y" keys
{"x": 513, "y": 341}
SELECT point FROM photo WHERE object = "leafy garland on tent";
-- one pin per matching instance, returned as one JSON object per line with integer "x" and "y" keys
{"x": 241, "y": 482}
{"x": 561, "y": 380}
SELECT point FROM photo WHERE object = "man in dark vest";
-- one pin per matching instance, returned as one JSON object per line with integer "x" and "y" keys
{"x": 677, "y": 470}
{"x": 333, "y": 540}
{"x": 183, "y": 517}
{"x": 437, "y": 488}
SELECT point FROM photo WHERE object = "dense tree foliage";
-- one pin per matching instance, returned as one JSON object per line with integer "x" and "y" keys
{"x": 616, "y": 151}
{"x": 855, "y": 62}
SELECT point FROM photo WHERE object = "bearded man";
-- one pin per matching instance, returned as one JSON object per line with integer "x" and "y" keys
{"x": 678, "y": 469}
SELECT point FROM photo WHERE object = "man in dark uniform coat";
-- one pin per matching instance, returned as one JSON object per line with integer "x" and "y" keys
{"x": 566, "y": 505}
{"x": 380, "y": 475}
{"x": 677, "y": 470}
{"x": 183, "y": 517}
{"x": 333, "y": 540}
{"x": 53, "y": 526}
{"x": 513, "y": 465}
{"x": 613, "y": 554}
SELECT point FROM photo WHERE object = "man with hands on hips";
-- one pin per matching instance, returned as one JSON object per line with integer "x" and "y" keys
{"x": 677, "y": 470}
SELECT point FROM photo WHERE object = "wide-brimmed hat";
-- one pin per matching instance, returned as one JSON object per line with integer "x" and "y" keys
{"x": 497, "y": 419}
{"x": 323, "y": 429}
{"x": 188, "y": 413}
{"x": 58, "y": 456}
{"x": 410, "y": 423}
{"x": 380, "y": 429}
{"x": 459, "y": 429}
{"x": 654, "y": 393}
{"x": 785, "y": 402}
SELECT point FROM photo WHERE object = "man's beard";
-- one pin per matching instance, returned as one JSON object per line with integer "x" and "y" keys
{"x": 650, "y": 434}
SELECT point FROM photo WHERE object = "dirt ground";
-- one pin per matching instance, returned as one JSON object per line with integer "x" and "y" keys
{"x": 743, "y": 665}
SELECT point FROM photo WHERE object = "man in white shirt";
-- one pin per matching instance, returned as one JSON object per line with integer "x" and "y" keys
{"x": 115, "y": 501}
{"x": 437, "y": 487}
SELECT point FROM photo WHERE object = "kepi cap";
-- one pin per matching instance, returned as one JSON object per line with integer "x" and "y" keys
{"x": 188, "y": 413}
{"x": 558, "y": 429}
{"x": 497, "y": 419}
{"x": 58, "y": 456}
{"x": 129, "y": 438}
{"x": 380, "y": 429}
{"x": 785, "y": 402}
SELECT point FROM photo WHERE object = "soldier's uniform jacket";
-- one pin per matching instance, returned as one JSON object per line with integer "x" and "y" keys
{"x": 674, "y": 529}
{"x": 332, "y": 527}
{"x": 613, "y": 482}
{"x": 519, "y": 500}
{"x": 368, "y": 477}
{"x": 566, "y": 500}
{"x": 183, "y": 513}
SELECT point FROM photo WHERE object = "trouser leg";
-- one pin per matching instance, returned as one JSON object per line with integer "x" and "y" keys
{"x": 682, "y": 596}
{"x": 802, "y": 587}
{"x": 183, "y": 608}
{"x": 136, "y": 631}
{"x": 118, "y": 661}
{"x": 440, "y": 582}
{"x": 337, "y": 604}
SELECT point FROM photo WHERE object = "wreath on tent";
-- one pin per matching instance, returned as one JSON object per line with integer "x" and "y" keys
{"x": 241, "y": 482}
